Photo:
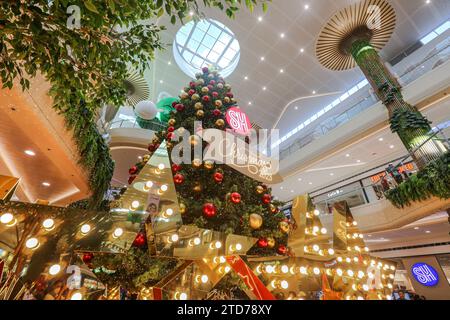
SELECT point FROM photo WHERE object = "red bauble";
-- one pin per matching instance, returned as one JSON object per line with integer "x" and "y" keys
{"x": 192, "y": 84}
{"x": 229, "y": 95}
{"x": 179, "y": 107}
{"x": 209, "y": 210}
{"x": 152, "y": 147}
{"x": 282, "y": 249}
{"x": 266, "y": 198}
{"x": 87, "y": 257}
{"x": 212, "y": 82}
{"x": 131, "y": 179}
{"x": 218, "y": 177}
{"x": 215, "y": 94}
{"x": 205, "y": 70}
{"x": 140, "y": 240}
{"x": 206, "y": 99}
{"x": 191, "y": 92}
{"x": 176, "y": 167}
{"x": 235, "y": 197}
{"x": 133, "y": 170}
{"x": 210, "y": 87}
{"x": 178, "y": 178}
{"x": 171, "y": 129}
{"x": 174, "y": 104}
{"x": 170, "y": 136}
{"x": 262, "y": 243}
{"x": 216, "y": 112}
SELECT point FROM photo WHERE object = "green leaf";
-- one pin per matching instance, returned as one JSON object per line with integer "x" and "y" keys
{"x": 90, "y": 6}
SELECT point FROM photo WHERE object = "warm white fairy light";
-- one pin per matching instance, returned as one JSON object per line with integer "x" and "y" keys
{"x": 76, "y": 296}
{"x": 148, "y": 185}
{"x": 85, "y": 228}
{"x": 316, "y": 271}
{"x": 339, "y": 272}
{"x": 174, "y": 237}
{"x": 323, "y": 231}
{"x": 134, "y": 205}
{"x": 48, "y": 224}
{"x": 331, "y": 252}
{"x": 6, "y": 218}
{"x": 316, "y": 247}
{"x": 54, "y": 269}
{"x": 303, "y": 270}
{"x": 284, "y": 284}
{"x": 316, "y": 212}
{"x": 350, "y": 273}
{"x": 284, "y": 269}
{"x": 360, "y": 274}
{"x": 118, "y": 232}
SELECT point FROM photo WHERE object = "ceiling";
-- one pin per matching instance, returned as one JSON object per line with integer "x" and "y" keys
{"x": 302, "y": 74}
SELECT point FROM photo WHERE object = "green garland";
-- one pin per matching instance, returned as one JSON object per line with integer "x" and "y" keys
{"x": 403, "y": 120}
{"x": 434, "y": 180}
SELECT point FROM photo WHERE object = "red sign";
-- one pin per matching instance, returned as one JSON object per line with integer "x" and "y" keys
{"x": 238, "y": 120}
{"x": 250, "y": 279}
{"x": 405, "y": 168}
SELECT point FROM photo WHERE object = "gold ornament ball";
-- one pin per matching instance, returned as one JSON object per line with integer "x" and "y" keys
{"x": 226, "y": 100}
{"x": 146, "y": 158}
{"x": 218, "y": 103}
{"x": 194, "y": 139}
{"x": 271, "y": 242}
{"x": 200, "y": 113}
{"x": 228, "y": 86}
{"x": 171, "y": 122}
{"x": 220, "y": 123}
{"x": 196, "y": 163}
{"x": 197, "y": 188}
{"x": 195, "y": 97}
{"x": 260, "y": 189}
{"x": 184, "y": 95}
{"x": 209, "y": 164}
{"x": 198, "y": 106}
{"x": 284, "y": 226}
{"x": 205, "y": 90}
{"x": 200, "y": 81}
{"x": 273, "y": 209}
{"x": 182, "y": 208}
{"x": 233, "y": 100}
{"x": 256, "y": 221}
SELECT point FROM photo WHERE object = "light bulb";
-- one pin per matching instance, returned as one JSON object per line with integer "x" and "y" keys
{"x": 204, "y": 278}
{"x": 227, "y": 269}
{"x": 118, "y": 232}
{"x": 164, "y": 187}
{"x": 316, "y": 212}
{"x": 316, "y": 247}
{"x": 315, "y": 229}
{"x": 174, "y": 237}
{"x": 365, "y": 287}
{"x": 32, "y": 243}
{"x": 169, "y": 212}
{"x": 48, "y": 224}
{"x": 360, "y": 274}
{"x": 303, "y": 270}
{"x": 316, "y": 271}
{"x": 389, "y": 286}
{"x": 350, "y": 273}
{"x": 135, "y": 205}
{"x": 331, "y": 252}
{"x": 392, "y": 268}
{"x": 148, "y": 185}
{"x": 161, "y": 166}
{"x": 183, "y": 296}
{"x": 85, "y": 228}
{"x": 54, "y": 269}
{"x": 391, "y": 276}
{"x": 366, "y": 249}
{"x": 323, "y": 230}
{"x": 357, "y": 248}
{"x": 284, "y": 284}
{"x": 284, "y": 269}
{"x": 6, "y": 218}
{"x": 339, "y": 272}
{"x": 339, "y": 259}
{"x": 270, "y": 269}
{"x": 355, "y": 223}
{"x": 197, "y": 241}
{"x": 355, "y": 259}
{"x": 238, "y": 247}
{"x": 348, "y": 260}
{"x": 76, "y": 296}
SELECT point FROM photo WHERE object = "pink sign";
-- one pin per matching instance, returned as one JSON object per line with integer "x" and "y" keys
{"x": 238, "y": 120}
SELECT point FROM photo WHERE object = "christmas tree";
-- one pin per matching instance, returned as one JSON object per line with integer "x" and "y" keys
{"x": 211, "y": 195}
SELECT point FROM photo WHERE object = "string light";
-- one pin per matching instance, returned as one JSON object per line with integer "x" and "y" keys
{"x": 118, "y": 232}
{"x": 54, "y": 269}
{"x": 134, "y": 205}
{"x": 48, "y": 224}
{"x": 85, "y": 228}
{"x": 8, "y": 219}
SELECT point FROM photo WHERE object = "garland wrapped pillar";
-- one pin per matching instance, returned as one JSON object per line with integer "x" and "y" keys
{"x": 352, "y": 37}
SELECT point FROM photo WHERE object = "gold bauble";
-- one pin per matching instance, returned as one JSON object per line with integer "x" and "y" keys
{"x": 218, "y": 103}
{"x": 200, "y": 113}
{"x": 256, "y": 221}
{"x": 184, "y": 95}
{"x": 146, "y": 158}
{"x": 197, "y": 188}
{"x": 195, "y": 97}
{"x": 194, "y": 140}
{"x": 196, "y": 163}
{"x": 182, "y": 208}
{"x": 226, "y": 100}
{"x": 200, "y": 81}
{"x": 171, "y": 122}
{"x": 271, "y": 242}
{"x": 284, "y": 226}
{"x": 198, "y": 106}
{"x": 260, "y": 189}
{"x": 228, "y": 86}
{"x": 205, "y": 90}
{"x": 220, "y": 123}
{"x": 233, "y": 100}
{"x": 273, "y": 209}
{"x": 209, "y": 164}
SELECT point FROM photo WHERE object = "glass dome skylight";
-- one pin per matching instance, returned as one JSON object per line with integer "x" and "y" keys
{"x": 206, "y": 43}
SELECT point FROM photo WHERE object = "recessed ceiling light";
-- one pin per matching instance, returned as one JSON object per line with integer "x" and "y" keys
{"x": 428, "y": 231}
{"x": 314, "y": 92}
{"x": 169, "y": 63}
{"x": 264, "y": 88}
{"x": 191, "y": 13}
{"x": 309, "y": 183}
{"x": 281, "y": 70}
{"x": 30, "y": 152}
{"x": 347, "y": 155}
{"x": 245, "y": 78}
{"x": 380, "y": 139}
{"x": 296, "y": 108}
{"x": 46, "y": 184}
{"x": 281, "y": 187}
{"x": 262, "y": 58}
{"x": 259, "y": 19}
{"x": 369, "y": 235}
{"x": 292, "y": 191}
{"x": 160, "y": 81}
{"x": 358, "y": 161}
{"x": 299, "y": 179}
{"x": 331, "y": 174}
{"x": 306, "y": 6}
{"x": 416, "y": 228}
{"x": 302, "y": 50}
{"x": 249, "y": 103}
{"x": 282, "y": 35}
{"x": 428, "y": 1}
{"x": 391, "y": 146}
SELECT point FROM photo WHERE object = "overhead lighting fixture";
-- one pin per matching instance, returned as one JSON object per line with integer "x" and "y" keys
{"x": 428, "y": 2}
{"x": 302, "y": 50}
{"x": 380, "y": 139}
{"x": 169, "y": 63}
{"x": 296, "y": 108}
{"x": 416, "y": 228}
{"x": 358, "y": 161}
{"x": 281, "y": 70}
{"x": 160, "y": 81}
{"x": 245, "y": 78}
{"x": 46, "y": 184}
{"x": 347, "y": 155}
{"x": 249, "y": 103}
{"x": 306, "y": 6}
{"x": 259, "y": 19}
{"x": 299, "y": 179}
{"x": 264, "y": 88}
{"x": 331, "y": 174}
{"x": 282, "y": 35}
{"x": 262, "y": 58}
{"x": 428, "y": 231}
{"x": 391, "y": 146}
{"x": 314, "y": 92}
{"x": 30, "y": 153}
{"x": 310, "y": 183}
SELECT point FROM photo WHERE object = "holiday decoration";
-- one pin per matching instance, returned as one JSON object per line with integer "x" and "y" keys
{"x": 218, "y": 177}
{"x": 256, "y": 221}
{"x": 146, "y": 110}
{"x": 235, "y": 197}
{"x": 209, "y": 210}
{"x": 178, "y": 178}
{"x": 266, "y": 198}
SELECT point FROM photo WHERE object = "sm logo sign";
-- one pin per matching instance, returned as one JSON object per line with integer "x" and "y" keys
{"x": 238, "y": 121}
{"x": 425, "y": 274}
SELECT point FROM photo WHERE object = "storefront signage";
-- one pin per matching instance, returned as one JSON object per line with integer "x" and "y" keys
{"x": 405, "y": 168}
{"x": 425, "y": 274}
{"x": 238, "y": 121}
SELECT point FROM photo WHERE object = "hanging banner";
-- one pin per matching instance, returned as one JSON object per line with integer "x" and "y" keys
{"x": 250, "y": 279}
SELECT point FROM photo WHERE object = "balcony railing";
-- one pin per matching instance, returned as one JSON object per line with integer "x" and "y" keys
{"x": 150, "y": 125}
{"x": 438, "y": 55}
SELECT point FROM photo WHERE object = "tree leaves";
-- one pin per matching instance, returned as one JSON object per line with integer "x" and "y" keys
{"x": 90, "y": 6}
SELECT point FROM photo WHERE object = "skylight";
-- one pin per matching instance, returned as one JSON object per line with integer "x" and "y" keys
{"x": 206, "y": 43}
{"x": 433, "y": 34}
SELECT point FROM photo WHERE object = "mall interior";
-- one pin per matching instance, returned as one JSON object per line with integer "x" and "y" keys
{"x": 347, "y": 99}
